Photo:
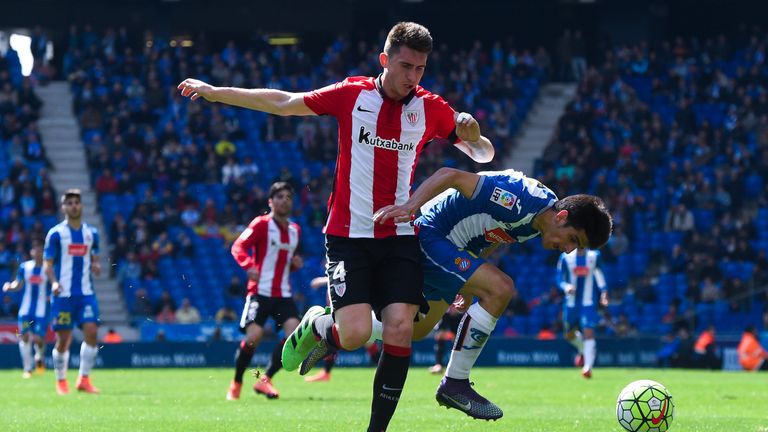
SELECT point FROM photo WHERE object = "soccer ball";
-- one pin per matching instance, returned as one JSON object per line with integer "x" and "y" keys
{"x": 645, "y": 406}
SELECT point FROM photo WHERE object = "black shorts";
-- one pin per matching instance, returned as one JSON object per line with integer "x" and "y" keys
{"x": 378, "y": 272}
{"x": 259, "y": 308}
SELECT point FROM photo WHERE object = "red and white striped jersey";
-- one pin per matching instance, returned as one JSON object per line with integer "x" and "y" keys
{"x": 269, "y": 247}
{"x": 379, "y": 144}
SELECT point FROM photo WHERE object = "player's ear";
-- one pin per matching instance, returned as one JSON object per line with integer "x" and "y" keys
{"x": 384, "y": 59}
{"x": 561, "y": 217}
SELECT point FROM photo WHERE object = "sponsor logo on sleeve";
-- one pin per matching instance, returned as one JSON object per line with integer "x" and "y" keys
{"x": 503, "y": 198}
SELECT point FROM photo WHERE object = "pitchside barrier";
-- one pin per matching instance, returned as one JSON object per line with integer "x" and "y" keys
{"x": 214, "y": 345}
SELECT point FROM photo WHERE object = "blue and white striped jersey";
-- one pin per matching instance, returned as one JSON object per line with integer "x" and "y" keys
{"x": 583, "y": 272}
{"x": 500, "y": 210}
{"x": 35, "y": 298}
{"x": 71, "y": 252}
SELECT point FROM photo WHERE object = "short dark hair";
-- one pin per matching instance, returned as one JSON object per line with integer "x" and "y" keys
{"x": 69, "y": 193}
{"x": 589, "y": 213}
{"x": 277, "y": 187}
{"x": 414, "y": 36}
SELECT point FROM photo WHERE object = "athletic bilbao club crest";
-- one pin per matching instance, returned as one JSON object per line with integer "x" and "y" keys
{"x": 462, "y": 263}
{"x": 340, "y": 288}
{"x": 412, "y": 117}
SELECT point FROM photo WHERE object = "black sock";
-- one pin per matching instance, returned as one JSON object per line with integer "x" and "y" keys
{"x": 439, "y": 351}
{"x": 324, "y": 328}
{"x": 276, "y": 362}
{"x": 242, "y": 360}
{"x": 331, "y": 360}
{"x": 388, "y": 385}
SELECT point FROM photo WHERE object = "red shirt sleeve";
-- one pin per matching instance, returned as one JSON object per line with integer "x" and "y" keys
{"x": 297, "y": 251}
{"x": 327, "y": 100}
{"x": 249, "y": 239}
{"x": 444, "y": 119}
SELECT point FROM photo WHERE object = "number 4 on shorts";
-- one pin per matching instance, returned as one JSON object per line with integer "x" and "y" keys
{"x": 339, "y": 273}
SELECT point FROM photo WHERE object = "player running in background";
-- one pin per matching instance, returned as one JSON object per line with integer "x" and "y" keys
{"x": 459, "y": 228}
{"x": 384, "y": 124}
{"x": 71, "y": 255}
{"x": 444, "y": 334}
{"x": 582, "y": 281}
{"x": 33, "y": 312}
{"x": 266, "y": 250}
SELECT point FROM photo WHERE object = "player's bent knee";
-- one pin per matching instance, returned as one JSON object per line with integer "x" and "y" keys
{"x": 354, "y": 338}
{"x": 503, "y": 289}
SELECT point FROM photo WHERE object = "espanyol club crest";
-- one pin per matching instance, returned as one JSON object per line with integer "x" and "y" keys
{"x": 412, "y": 117}
{"x": 462, "y": 263}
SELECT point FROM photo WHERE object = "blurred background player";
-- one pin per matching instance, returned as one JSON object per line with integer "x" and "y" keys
{"x": 578, "y": 274}
{"x": 33, "y": 312}
{"x": 444, "y": 335}
{"x": 266, "y": 250}
{"x": 752, "y": 355}
{"x": 71, "y": 255}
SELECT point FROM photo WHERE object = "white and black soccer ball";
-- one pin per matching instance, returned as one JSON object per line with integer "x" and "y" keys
{"x": 645, "y": 406}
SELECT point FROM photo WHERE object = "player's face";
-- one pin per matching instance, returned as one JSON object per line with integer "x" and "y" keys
{"x": 561, "y": 237}
{"x": 36, "y": 253}
{"x": 72, "y": 207}
{"x": 282, "y": 203}
{"x": 402, "y": 71}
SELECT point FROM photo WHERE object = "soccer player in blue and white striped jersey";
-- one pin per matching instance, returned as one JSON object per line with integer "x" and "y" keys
{"x": 33, "y": 312}
{"x": 582, "y": 281}
{"x": 71, "y": 255}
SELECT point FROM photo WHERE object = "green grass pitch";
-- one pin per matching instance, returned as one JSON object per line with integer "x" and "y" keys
{"x": 549, "y": 400}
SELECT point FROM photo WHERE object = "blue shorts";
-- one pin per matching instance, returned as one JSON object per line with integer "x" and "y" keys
{"x": 447, "y": 267}
{"x": 33, "y": 324}
{"x": 580, "y": 317}
{"x": 66, "y": 311}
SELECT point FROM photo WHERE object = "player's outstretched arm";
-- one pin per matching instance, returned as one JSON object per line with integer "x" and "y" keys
{"x": 438, "y": 182}
{"x": 13, "y": 286}
{"x": 267, "y": 100}
{"x": 472, "y": 143}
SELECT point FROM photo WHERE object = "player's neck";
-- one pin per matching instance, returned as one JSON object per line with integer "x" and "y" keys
{"x": 282, "y": 220}
{"x": 75, "y": 223}
{"x": 387, "y": 92}
{"x": 539, "y": 223}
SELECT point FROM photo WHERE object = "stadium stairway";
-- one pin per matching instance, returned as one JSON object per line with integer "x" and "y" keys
{"x": 539, "y": 127}
{"x": 60, "y": 132}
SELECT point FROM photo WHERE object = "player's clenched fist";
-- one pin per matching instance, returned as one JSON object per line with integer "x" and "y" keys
{"x": 467, "y": 127}
{"x": 195, "y": 89}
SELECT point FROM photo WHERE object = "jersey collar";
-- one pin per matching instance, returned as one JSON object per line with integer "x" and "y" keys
{"x": 405, "y": 101}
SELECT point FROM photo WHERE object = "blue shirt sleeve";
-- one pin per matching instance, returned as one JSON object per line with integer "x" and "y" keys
{"x": 20, "y": 274}
{"x": 52, "y": 245}
{"x": 95, "y": 246}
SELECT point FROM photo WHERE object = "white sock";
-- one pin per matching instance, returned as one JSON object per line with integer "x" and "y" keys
{"x": 25, "y": 348}
{"x": 578, "y": 342}
{"x": 590, "y": 352}
{"x": 87, "y": 358}
{"x": 376, "y": 329}
{"x": 469, "y": 341}
{"x": 39, "y": 352}
{"x": 60, "y": 363}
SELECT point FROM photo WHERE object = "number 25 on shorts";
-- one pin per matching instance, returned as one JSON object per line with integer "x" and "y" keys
{"x": 64, "y": 318}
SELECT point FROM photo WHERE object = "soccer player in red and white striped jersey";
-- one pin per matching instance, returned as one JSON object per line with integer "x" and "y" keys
{"x": 266, "y": 250}
{"x": 384, "y": 124}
